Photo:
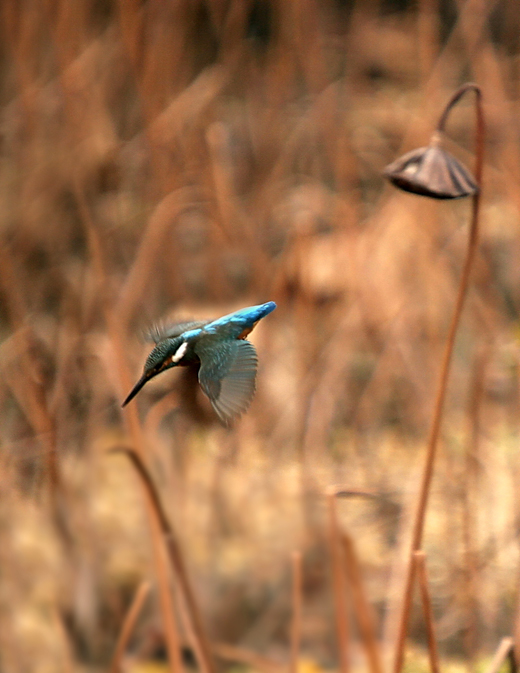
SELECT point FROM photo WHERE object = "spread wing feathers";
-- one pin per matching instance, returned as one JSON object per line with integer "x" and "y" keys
{"x": 161, "y": 331}
{"x": 227, "y": 374}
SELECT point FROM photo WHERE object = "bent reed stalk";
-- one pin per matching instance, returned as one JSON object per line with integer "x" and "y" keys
{"x": 418, "y": 527}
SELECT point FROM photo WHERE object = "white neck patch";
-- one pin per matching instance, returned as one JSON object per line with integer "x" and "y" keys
{"x": 179, "y": 353}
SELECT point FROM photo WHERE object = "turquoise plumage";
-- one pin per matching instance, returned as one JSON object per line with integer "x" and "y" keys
{"x": 227, "y": 362}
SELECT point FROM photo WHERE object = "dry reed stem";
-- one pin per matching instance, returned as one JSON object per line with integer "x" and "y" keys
{"x": 516, "y": 631}
{"x": 171, "y": 632}
{"x": 132, "y": 20}
{"x": 338, "y": 585}
{"x": 129, "y": 624}
{"x": 131, "y": 23}
{"x": 428, "y": 35}
{"x": 234, "y": 224}
{"x": 154, "y": 510}
{"x": 20, "y": 47}
{"x": 470, "y": 486}
{"x": 296, "y": 622}
{"x": 176, "y": 560}
{"x": 117, "y": 340}
{"x": 162, "y": 129}
{"x": 488, "y": 66}
{"x": 361, "y": 605}
{"x": 169, "y": 124}
{"x": 68, "y": 659}
{"x": 420, "y": 571}
{"x": 504, "y": 651}
{"x": 165, "y": 128}
{"x": 133, "y": 292}
{"x": 188, "y": 625}
{"x": 446, "y": 364}
{"x": 164, "y": 125}
{"x": 30, "y": 395}
{"x": 475, "y": 13}
{"x": 24, "y": 383}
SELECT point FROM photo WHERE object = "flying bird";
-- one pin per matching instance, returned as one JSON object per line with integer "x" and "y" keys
{"x": 226, "y": 361}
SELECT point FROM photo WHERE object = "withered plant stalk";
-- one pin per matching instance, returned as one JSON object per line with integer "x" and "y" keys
{"x": 420, "y": 571}
{"x": 26, "y": 385}
{"x": 338, "y": 584}
{"x": 201, "y": 643}
{"x": 296, "y": 624}
{"x": 362, "y": 608}
{"x": 469, "y": 485}
{"x": 504, "y": 651}
{"x": 134, "y": 426}
{"x": 128, "y": 624}
{"x": 446, "y": 362}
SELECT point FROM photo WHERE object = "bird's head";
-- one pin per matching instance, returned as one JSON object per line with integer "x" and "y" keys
{"x": 168, "y": 353}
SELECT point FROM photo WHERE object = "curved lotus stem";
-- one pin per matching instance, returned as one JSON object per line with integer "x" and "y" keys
{"x": 446, "y": 362}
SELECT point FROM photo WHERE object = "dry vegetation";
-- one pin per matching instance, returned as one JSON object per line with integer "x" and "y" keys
{"x": 196, "y": 156}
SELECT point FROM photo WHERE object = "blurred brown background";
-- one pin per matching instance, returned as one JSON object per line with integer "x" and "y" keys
{"x": 192, "y": 157}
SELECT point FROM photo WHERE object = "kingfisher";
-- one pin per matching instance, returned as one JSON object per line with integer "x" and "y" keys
{"x": 226, "y": 361}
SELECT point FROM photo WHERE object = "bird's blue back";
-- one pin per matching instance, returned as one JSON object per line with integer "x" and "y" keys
{"x": 231, "y": 326}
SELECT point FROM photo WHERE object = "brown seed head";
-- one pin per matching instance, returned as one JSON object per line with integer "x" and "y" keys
{"x": 431, "y": 171}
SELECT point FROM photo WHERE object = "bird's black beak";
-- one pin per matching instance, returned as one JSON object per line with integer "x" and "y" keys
{"x": 144, "y": 378}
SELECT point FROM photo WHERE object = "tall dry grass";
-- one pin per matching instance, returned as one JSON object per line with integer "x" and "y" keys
{"x": 195, "y": 157}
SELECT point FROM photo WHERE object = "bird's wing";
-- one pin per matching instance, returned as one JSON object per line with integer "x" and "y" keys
{"x": 161, "y": 331}
{"x": 227, "y": 374}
